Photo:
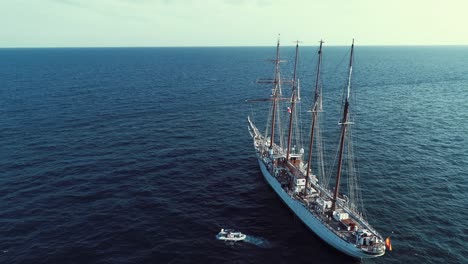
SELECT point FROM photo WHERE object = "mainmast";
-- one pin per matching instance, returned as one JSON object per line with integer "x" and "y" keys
{"x": 315, "y": 110}
{"x": 293, "y": 103}
{"x": 276, "y": 94}
{"x": 344, "y": 123}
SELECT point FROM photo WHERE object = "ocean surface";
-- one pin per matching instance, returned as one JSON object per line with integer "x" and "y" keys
{"x": 141, "y": 155}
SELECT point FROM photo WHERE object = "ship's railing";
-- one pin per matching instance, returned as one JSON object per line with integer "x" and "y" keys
{"x": 371, "y": 248}
{"x": 322, "y": 190}
{"x": 359, "y": 218}
{"x": 320, "y": 218}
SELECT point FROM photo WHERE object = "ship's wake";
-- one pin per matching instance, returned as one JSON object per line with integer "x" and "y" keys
{"x": 257, "y": 241}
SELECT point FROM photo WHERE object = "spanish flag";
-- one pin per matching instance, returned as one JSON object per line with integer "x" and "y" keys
{"x": 388, "y": 243}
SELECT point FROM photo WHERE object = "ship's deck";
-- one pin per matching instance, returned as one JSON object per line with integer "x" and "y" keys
{"x": 284, "y": 175}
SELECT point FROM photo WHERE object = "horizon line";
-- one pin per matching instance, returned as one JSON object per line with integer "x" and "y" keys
{"x": 234, "y": 46}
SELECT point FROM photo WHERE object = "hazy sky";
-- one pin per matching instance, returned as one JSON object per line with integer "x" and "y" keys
{"x": 85, "y": 23}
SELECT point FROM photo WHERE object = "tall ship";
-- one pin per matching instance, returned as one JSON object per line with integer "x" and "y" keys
{"x": 303, "y": 185}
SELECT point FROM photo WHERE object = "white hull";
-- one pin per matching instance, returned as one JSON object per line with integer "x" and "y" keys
{"x": 310, "y": 220}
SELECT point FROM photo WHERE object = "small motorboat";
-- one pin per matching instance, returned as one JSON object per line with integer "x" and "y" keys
{"x": 230, "y": 235}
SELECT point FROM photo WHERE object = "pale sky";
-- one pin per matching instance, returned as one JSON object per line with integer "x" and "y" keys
{"x": 128, "y": 23}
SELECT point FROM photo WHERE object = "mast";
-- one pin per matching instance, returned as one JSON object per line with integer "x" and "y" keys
{"x": 344, "y": 123}
{"x": 315, "y": 109}
{"x": 293, "y": 103}
{"x": 275, "y": 95}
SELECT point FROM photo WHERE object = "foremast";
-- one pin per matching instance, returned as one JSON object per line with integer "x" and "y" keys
{"x": 344, "y": 124}
{"x": 315, "y": 109}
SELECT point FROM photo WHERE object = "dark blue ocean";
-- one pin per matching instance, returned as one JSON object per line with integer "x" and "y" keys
{"x": 141, "y": 155}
